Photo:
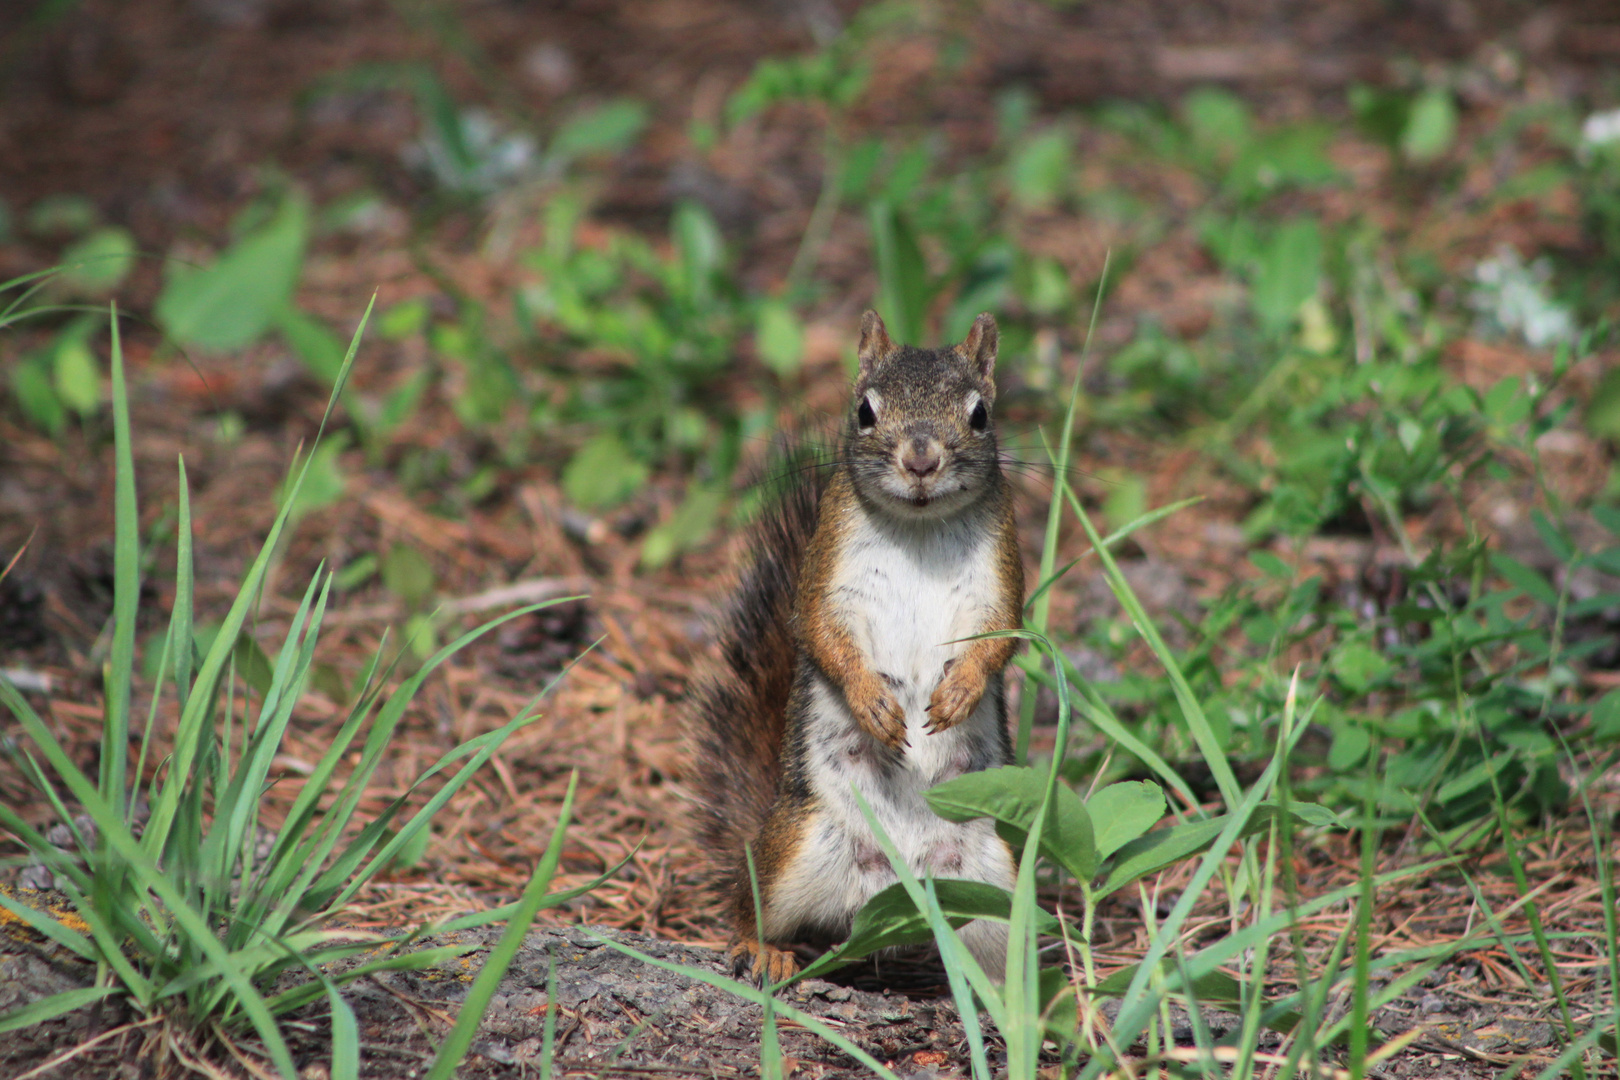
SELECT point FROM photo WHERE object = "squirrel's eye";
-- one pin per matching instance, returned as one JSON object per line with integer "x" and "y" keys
{"x": 979, "y": 417}
{"x": 864, "y": 415}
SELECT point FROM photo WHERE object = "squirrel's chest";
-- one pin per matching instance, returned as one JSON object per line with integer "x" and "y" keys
{"x": 908, "y": 598}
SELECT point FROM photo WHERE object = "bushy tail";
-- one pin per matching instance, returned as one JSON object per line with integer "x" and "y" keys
{"x": 736, "y": 717}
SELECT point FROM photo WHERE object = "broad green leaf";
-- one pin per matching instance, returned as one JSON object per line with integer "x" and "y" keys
{"x": 602, "y": 474}
{"x": 62, "y": 215}
{"x": 74, "y": 375}
{"x": 99, "y": 263}
{"x": 31, "y": 387}
{"x": 1288, "y": 273}
{"x": 610, "y": 128}
{"x": 1431, "y": 127}
{"x": 1011, "y": 795}
{"x": 1122, "y": 812}
{"x": 1218, "y": 121}
{"x": 1358, "y": 665}
{"x": 316, "y": 346}
{"x": 1040, "y": 171}
{"x": 323, "y": 482}
{"x": 233, "y": 302}
{"x": 779, "y": 338}
{"x": 408, "y": 575}
{"x": 690, "y": 526}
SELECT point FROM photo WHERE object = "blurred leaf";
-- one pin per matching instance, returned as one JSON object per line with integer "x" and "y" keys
{"x": 98, "y": 264}
{"x": 1606, "y": 717}
{"x": 690, "y": 525}
{"x": 1350, "y": 745}
{"x": 62, "y": 215}
{"x": 1288, "y": 273}
{"x": 1291, "y": 157}
{"x": 1046, "y": 289}
{"x": 355, "y": 573}
{"x": 779, "y": 338}
{"x": 230, "y": 304}
{"x": 602, "y": 474}
{"x": 1218, "y": 121}
{"x": 31, "y": 386}
{"x": 405, "y": 319}
{"x": 252, "y": 665}
{"x": 319, "y": 348}
{"x": 1382, "y": 114}
{"x": 1603, "y": 408}
{"x": 325, "y": 483}
{"x": 1039, "y": 172}
{"x": 903, "y": 287}
{"x": 75, "y": 376}
{"x": 701, "y": 248}
{"x": 611, "y": 128}
{"x": 1126, "y": 500}
{"x": 1358, "y": 665}
{"x": 1527, "y": 580}
{"x": 1430, "y": 128}
{"x": 408, "y": 575}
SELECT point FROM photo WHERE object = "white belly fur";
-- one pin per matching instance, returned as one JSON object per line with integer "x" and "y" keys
{"x": 905, "y": 598}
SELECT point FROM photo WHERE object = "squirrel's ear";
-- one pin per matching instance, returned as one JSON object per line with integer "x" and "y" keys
{"x": 875, "y": 345}
{"x": 980, "y": 345}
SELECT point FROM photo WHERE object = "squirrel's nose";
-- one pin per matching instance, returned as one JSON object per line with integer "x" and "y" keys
{"x": 921, "y": 458}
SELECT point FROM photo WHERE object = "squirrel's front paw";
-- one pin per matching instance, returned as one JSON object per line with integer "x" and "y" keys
{"x": 765, "y": 963}
{"x": 879, "y": 713}
{"x": 954, "y": 698}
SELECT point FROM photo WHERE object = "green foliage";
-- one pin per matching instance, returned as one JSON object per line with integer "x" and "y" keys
{"x": 236, "y": 300}
{"x": 191, "y": 917}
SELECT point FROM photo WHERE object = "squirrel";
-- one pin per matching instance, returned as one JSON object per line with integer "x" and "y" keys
{"x": 845, "y": 664}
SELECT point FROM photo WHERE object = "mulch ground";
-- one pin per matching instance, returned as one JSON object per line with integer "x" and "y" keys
{"x": 169, "y": 115}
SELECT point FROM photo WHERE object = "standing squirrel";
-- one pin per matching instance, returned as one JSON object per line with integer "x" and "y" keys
{"x": 845, "y": 664}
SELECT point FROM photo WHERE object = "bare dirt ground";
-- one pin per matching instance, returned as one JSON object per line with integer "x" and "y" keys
{"x": 169, "y": 114}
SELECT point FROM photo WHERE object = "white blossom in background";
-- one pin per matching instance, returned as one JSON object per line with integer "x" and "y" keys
{"x": 1600, "y": 130}
{"x": 1512, "y": 298}
{"x": 495, "y": 158}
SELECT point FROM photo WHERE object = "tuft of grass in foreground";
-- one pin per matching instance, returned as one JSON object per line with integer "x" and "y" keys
{"x": 193, "y": 910}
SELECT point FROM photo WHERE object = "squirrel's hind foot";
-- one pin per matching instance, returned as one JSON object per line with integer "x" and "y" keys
{"x": 764, "y": 963}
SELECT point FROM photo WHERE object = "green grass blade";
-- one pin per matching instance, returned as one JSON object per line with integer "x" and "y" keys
{"x": 126, "y": 591}
{"x": 1041, "y": 602}
{"x": 500, "y": 957}
{"x": 189, "y": 737}
{"x": 49, "y": 1008}
{"x": 197, "y": 932}
{"x": 1208, "y": 745}
{"x": 180, "y": 618}
{"x": 48, "y": 926}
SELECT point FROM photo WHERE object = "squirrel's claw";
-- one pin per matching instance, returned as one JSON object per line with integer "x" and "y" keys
{"x": 764, "y": 964}
{"x": 953, "y": 700}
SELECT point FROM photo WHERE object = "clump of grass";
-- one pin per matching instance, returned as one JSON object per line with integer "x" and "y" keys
{"x": 189, "y": 919}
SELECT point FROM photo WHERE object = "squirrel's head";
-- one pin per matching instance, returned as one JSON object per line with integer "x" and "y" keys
{"x": 921, "y": 437}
